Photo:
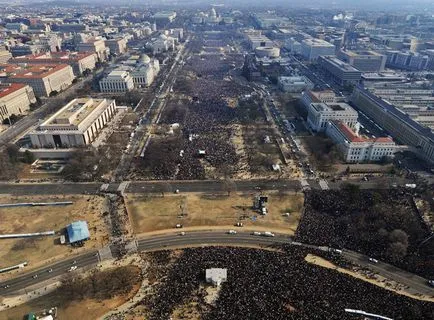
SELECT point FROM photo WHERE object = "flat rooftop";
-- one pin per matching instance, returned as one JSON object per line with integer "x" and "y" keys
{"x": 8, "y": 88}
{"x": 335, "y": 106}
{"x": 339, "y": 63}
{"x": 33, "y": 71}
{"x": 317, "y": 42}
{"x": 362, "y": 53}
{"x": 73, "y": 113}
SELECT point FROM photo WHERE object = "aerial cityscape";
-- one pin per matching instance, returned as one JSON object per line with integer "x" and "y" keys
{"x": 181, "y": 160}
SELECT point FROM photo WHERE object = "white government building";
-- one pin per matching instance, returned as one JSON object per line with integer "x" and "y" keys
{"x": 76, "y": 124}
{"x": 117, "y": 81}
{"x": 321, "y": 113}
{"x": 356, "y": 148}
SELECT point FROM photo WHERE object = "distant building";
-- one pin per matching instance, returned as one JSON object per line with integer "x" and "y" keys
{"x": 76, "y": 124}
{"x": 44, "y": 79}
{"x": 117, "y": 81}
{"x": 15, "y": 98}
{"x": 269, "y": 52}
{"x": 355, "y": 148}
{"x": 326, "y": 96}
{"x": 311, "y": 49}
{"x": 25, "y": 49}
{"x": 341, "y": 72}
{"x": 70, "y": 27}
{"x": 4, "y": 55}
{"x": 77, "y": 232}
{"x": 162, "y": 44}
{"x": 256, "y": 41}
{"x": 293, "y": 45}
{"x": 216, "y": 276}
{"x": 97, "y": 46}
{"x": 79, "y": 61}
{"x": 408, "y": 60}
{"x": 400, "y": 125}
{"x": 20, "y": 27}
{"x": 320, "y": 113}
{"x": 164, "y": 17}
{"x": 117, "y": 46}
{"x": 294, "y": 84}
{"x": 365, "y": 61}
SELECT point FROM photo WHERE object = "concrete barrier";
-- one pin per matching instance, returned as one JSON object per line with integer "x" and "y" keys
{"x": 27, "y": 235}
{"x": 34, "y": 204}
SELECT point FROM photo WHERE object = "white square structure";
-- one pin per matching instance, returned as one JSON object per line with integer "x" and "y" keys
{"x": 216, "y": 276}
{"x": 77, "y": 124}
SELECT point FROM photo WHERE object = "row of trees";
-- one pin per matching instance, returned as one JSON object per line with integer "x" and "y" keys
{"x": 100, "y": 284}
{"x": 10, "y": 159}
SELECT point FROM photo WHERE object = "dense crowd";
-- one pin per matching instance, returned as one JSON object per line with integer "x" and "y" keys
{"x": 269, "y": 285}
{"x": 205, "y": 118}
{"x": 382, "y": 224}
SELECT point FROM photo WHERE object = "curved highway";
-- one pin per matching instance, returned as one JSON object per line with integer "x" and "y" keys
{"x": 209, "y": 238}
{"x": 48, "y": 272}
{"x": 148, "y": 244}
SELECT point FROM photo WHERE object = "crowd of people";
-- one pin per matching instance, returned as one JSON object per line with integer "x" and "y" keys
{"x": 381, "y": 223}
{"x": 268, "y": 285}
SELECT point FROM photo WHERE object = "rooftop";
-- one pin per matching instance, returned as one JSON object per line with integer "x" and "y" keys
{"x": 423, "y": 131}
{"x": 73, "y": 113}
{"x": 317, "y": 42}
{"x": 8, "y": 88}
{"x": 333, "y": 107}
{"x": 339, "y": 63}
{"x": 78, "y": 231}
{"x": 32, "y": 71}
{"x": 362, "y": 53}
{"x": 54, "y": 56}
{"x": 353, "y": 137}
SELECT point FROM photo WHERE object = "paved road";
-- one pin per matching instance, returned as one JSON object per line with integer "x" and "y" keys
{"x": 59, "y": 268}
{"x": 214, "y": 186}
{"x": 416, "y": 283}
{"x": 209, "y": 238}
{"x": 206, "y": 238}
{"x": 182, "y": 186}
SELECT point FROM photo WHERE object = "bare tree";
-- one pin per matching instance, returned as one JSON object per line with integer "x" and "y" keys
{"x": 229, "y": 186}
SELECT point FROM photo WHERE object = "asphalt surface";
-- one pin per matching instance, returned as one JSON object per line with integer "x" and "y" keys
{"x": 416, "y": 283}
{"x": 206, "y": 238}
{"x": 183, "y": 186}
{"x": 59, "y": 268}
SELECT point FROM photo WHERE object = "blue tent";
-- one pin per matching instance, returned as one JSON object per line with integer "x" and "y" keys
{"x": 78, "y": 231}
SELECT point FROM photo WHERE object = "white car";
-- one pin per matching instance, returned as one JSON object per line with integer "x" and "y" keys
{"x": 256, "y": 233}
{"x": 182, "y": 233}
{"x": 72, "y": 268}
{"x": 232, "y": 232}
{"x": 373, "y": 260}
{"x": 268, "y": 234}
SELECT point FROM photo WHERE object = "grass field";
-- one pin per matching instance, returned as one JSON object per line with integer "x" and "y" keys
{"x": 39, "y": 251}
{"x": 151, "y": 214}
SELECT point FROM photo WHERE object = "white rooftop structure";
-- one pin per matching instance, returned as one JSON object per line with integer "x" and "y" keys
{"x": 216, "y": 276}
